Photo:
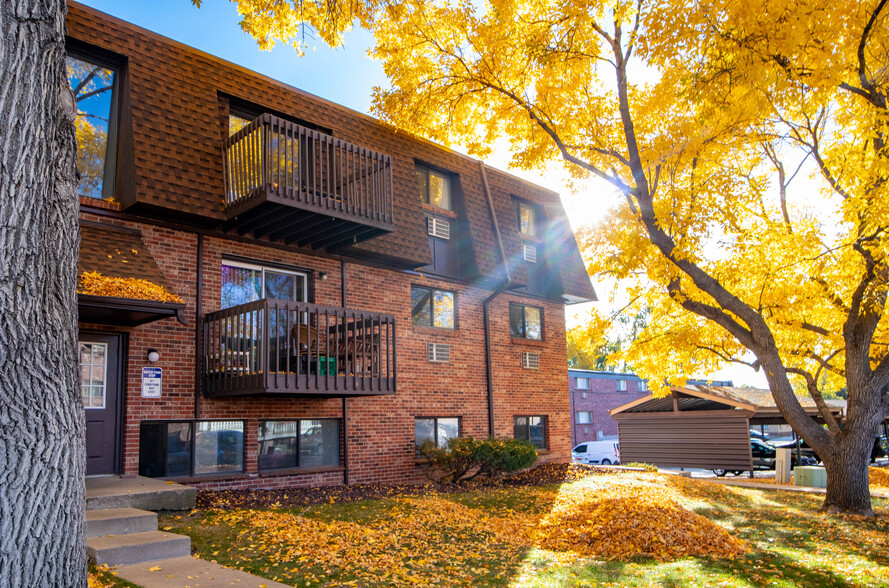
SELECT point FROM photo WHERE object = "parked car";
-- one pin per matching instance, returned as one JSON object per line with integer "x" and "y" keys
{"x": 879, "y": 450}
{"x": 597, "y": 452}
{"x": 764, "y": 458}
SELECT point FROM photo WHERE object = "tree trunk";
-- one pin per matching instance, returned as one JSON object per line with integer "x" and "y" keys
{"x": 42, "y": 502}
{"x": 848, "y": 482}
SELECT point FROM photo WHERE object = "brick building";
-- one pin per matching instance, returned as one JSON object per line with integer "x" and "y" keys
{"x": 347, "y": 290}
{"x": 593, "y": 394}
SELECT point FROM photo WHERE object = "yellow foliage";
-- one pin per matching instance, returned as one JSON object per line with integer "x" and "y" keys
{"x": 95, "y": 284}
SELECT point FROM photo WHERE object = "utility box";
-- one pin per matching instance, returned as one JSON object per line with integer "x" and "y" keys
{"x": 810, "y": 476}
{"x": 782, "y": 466}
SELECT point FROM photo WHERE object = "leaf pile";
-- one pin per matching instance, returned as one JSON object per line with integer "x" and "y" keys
{"x": 879, "y": 479}
{"x": 95, "y": 284}
{"x": 619, "y": 525}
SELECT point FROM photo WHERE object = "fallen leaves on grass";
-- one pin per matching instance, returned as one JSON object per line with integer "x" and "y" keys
{"x": 616, "y": 526}
{"x": 95, "y": 284}
{"x": 879, "y": 480}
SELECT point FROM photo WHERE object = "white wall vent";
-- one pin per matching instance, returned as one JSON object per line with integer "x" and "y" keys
{"x": 529, "y": 252}
{"x": 438, "y": 352}
{"x": 530, "y": 361}
{"x": 438, "y": 227}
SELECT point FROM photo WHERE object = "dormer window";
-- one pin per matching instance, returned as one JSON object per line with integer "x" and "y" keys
{"x": 527, "y": 220}
{"x": 434, "y": 188}
{"x": 94, "y": 83}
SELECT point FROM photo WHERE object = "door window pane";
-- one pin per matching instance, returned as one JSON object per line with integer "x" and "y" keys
{"x": 95, "y": 125}
{"x": 93, "y": 374}
{"x": 240, "y": 285}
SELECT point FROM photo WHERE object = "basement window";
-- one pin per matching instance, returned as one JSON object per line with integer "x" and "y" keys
{"x": 169, "y": 449}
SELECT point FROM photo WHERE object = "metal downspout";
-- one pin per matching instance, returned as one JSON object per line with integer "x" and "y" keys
{"x": 345, "y": 404}
{"x": 199, "y": 327}
{"x": 507, "y": 280}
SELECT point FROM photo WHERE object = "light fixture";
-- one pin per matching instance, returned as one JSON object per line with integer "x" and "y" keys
{"x": 153, "y": 355}
{"x": 322, "y": 275}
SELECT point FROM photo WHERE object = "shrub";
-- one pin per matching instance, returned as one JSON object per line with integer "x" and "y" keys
{"x": 648, "y": 467}
{"x": 465, "y": 458}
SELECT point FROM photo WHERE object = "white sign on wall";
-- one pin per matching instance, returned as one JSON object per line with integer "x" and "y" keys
{"x": 151, "y": 382}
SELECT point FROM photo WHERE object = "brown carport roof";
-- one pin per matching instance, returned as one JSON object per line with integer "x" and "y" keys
{"x": 756, "y": 402}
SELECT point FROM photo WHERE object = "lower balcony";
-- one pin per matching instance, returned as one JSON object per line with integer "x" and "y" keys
{"x": 282, "y": 347}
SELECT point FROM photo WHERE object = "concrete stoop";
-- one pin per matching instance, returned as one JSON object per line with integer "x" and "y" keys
{"x": 185, "y": 572}
{"x": 105, "y": 492}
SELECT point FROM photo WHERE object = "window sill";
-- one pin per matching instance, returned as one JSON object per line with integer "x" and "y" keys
{"x": 543, "y": 452}
{"x": 438, "y": 211}
{"x": 531, "y": 342}
{"x": 205, "y": 478}
{"x": 299, "y": 471}
{"x": 423, "y": 330}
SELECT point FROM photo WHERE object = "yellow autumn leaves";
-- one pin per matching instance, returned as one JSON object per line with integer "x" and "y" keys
{"x": 95, "y": 284}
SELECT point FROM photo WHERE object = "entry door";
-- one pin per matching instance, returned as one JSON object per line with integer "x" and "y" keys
{"x": 100, "y": 386}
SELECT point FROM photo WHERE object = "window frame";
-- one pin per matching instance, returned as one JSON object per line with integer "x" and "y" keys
{"x": 543, "y": 421}
{"x": 621, "y": 385}
{"x": 98, "y": 57}
{"x": 426, "y": 197}
{"x": 642, "y": 386}
{"x": 298, "y": 444}
{"x": 535, "y": 219}
{"x": 435, "y": 420}
{"x": 263, "y": 267}
{"x": 432, "y": 290}
{"x": 192, "y": 446}
{"x": 524, "y": 325}
{"x": 578, "y": 420}
{"x": 577, "y": 385}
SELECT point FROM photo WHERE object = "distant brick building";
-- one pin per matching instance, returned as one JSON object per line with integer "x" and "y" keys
{"x": 593, "y": 394}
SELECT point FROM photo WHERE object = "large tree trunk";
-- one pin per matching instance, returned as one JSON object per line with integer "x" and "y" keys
{"x": 848, "y": 486}
{"x": 42, "y": 502}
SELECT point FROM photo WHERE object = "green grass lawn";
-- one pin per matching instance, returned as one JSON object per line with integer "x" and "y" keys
{"x": 498, "y": 537}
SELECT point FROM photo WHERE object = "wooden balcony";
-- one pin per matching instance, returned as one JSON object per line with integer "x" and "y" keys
{"x": 281, "y": 347}
{"x": 299, "y": 186}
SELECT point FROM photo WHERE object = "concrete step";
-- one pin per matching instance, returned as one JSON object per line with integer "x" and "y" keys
{"x": 119, "y": 521}
{"x": 133, "y": 548}
{"x": 189, "y": 572}
{"x": 137, "y": 492}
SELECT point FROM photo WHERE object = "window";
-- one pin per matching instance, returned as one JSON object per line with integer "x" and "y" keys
{"x": 584, "y": 417}
{"x": 527, "y": 220}
{"x": 432, "y": 308}
{"x": 643, "y": 385}
{"x": 622, "y": 385}
{"x": 530, "y": 428}
{"x": 525, "y": 322}
{"x": 434, "y": 188}
{"x": 190, "y": 448}
{"x": 439, "y": 430}
{"x": 242, "y": 283}
{"x": 582, "y": 383}
{"x": 299, "y": 444}
{"x": 93, "y": 364}
{"x": 95, "y": 92}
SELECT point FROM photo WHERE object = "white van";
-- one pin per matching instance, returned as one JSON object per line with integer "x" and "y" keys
{"x": 599, "y": 452}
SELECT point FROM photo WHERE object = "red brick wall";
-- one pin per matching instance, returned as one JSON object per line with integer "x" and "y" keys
{"x": 599, "y": 399}
{"x": 380, "y": 429}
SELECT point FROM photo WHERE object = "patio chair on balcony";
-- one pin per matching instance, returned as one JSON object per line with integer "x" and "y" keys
{"x": 313, "y": 349}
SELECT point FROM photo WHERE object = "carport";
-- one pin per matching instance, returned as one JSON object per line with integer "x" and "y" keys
{"x": 704, "y": 427}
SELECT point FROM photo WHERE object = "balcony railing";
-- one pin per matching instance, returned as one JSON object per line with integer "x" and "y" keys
{"x": 296, "y": 184}
{"x": 285, "y": 347}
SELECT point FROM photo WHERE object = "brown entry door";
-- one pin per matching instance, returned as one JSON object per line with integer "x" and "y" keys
{"x": 99, "y": 362}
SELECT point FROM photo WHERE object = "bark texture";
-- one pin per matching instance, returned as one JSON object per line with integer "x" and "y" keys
{"x": 42, "y": 465}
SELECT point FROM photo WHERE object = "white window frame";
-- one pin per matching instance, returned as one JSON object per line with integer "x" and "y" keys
{"x": 578, "y": 380}
{"x": 621, "y": 385}
{"x": 91, "y": 365}
{"x": 262, "y": 269}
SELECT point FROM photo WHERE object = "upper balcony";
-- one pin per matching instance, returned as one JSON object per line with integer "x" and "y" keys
{"x": 272, "y": 347}
{"x": 300, "y": 186}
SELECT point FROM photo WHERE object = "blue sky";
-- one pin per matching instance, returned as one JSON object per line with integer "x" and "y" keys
{"x": 345, "y": 76}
